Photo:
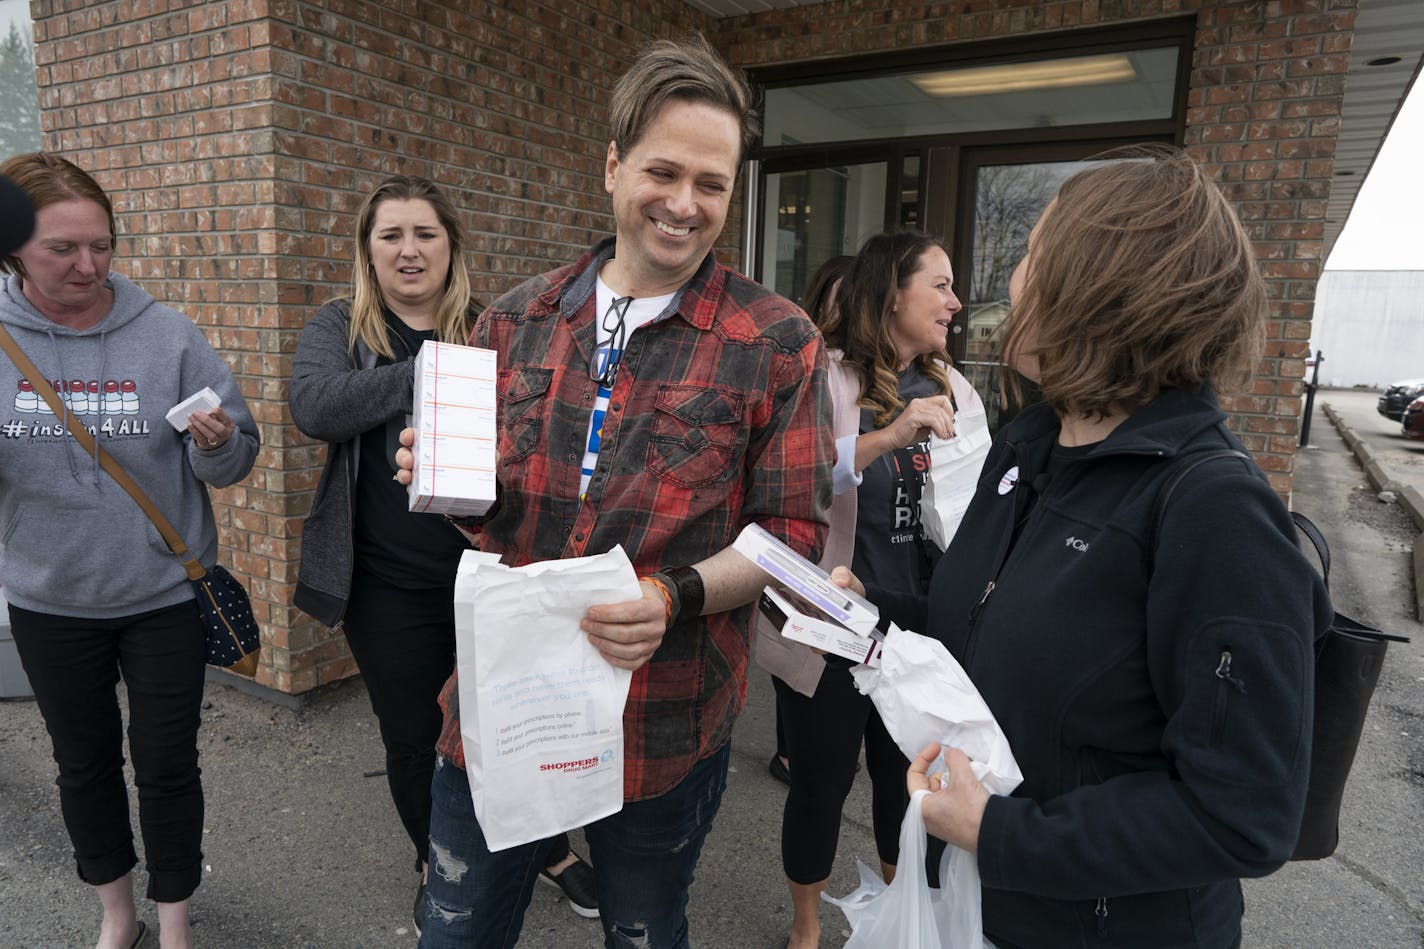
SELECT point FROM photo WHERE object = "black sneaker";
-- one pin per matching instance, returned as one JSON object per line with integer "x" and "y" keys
{"x": 578, "y": 885}
{"x": 778, "y": 770}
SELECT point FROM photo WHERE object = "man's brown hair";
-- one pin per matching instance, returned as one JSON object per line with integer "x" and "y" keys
{"x": 688, "y": 71}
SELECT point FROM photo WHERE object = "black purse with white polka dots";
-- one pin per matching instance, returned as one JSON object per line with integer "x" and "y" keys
{"x": 231, "y": 630}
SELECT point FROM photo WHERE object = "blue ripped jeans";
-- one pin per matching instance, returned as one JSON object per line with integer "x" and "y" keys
{"x": 643, "y": 858}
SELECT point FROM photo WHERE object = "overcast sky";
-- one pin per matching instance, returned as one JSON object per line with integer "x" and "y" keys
{"x": 1384, "y": 228}
{"x": 11, "y": 10}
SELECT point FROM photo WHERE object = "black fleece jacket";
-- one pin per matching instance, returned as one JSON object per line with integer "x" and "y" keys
{"x": 1156, "y": 690}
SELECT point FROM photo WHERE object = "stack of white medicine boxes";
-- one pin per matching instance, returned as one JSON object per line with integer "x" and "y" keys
{"x": 454, "y": 423}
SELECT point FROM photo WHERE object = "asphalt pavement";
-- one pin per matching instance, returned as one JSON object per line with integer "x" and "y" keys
{"x": 303, "y": 849}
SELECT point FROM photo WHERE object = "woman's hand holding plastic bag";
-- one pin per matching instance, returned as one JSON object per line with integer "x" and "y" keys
{"x": 955, "y": 804}
{"x": 906, "y": 913}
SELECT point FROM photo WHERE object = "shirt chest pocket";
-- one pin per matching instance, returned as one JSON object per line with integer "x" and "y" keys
{"x": 521, "y": 400}
{"x": 698, "y": 434}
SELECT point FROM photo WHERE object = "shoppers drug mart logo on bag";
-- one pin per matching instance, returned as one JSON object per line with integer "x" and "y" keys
{"x": 578, "y": 764}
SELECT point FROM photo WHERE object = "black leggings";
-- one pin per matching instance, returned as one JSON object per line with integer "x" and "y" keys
{"x": 823, "y": 737}
{"x": 73, "y": 665}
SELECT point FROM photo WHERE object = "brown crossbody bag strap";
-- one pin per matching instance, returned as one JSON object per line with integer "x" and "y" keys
{"x": 81, "y": 434}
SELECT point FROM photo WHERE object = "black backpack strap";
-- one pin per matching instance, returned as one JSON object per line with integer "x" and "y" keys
{"x": 1322, "y": 550}
{"x": 1317, "y": 540}
{"x": 1180, "y": 469}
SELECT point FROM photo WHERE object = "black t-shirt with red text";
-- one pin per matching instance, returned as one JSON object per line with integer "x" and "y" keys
{"x": 891, "y": 550}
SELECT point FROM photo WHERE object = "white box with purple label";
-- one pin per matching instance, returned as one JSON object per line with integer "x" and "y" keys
{"x": 807, "y": 580}
{"x": 813, "y": 631}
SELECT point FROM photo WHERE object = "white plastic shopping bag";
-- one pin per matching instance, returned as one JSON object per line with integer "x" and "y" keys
{"x": 955, "y": 464}
{"x": 923, "y": 695}
{"x": 906, "y": 913}
{"x": 541, "y": 712}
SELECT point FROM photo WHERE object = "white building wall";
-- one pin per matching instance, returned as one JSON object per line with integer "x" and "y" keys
{"x": 1370, "y": 326}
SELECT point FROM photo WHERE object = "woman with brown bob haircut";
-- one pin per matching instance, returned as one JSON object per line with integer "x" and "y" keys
{"x": 1153, "y": 677}
{"x": 1159, "y": 292}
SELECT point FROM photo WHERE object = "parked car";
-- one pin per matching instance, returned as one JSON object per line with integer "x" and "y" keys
{"x": 1412, "y": 423}
{"x": 1397, "y": 397}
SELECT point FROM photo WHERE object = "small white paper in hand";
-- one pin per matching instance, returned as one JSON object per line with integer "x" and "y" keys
{"x": 541, "y": 711}
{"x": 923, "y": 695}
{"x": 955, "y": 465}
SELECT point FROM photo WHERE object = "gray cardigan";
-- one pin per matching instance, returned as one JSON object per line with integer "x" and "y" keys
{"x": 336, "y": 395}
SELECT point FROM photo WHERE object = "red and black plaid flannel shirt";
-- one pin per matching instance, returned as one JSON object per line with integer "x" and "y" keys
{"x": 720, "y": 416}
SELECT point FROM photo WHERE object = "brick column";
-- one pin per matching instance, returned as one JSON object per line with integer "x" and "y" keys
{"x": 1264, "y": 114}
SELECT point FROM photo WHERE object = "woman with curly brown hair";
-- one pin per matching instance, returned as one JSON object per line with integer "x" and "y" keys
{"x": 891, "y": 386}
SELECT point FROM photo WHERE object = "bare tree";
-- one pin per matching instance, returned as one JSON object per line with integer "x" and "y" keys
{"x": 1008, "y": 200}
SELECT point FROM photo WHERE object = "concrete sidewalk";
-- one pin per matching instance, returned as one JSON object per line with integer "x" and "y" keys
{"x": 1395, "y": 465}
{"x": 303, "y": 848}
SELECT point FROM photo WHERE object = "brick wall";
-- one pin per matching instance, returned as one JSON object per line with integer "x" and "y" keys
{"x": 1265, "y": 90}
{"x": 171, "y": 111}
{"x": 237, "y": 138}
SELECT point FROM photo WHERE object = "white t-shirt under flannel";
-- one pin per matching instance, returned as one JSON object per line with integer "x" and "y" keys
{"x": 639, "y": 313}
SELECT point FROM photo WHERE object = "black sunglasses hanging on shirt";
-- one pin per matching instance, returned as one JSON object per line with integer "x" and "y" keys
{"x": 603, "y": 369}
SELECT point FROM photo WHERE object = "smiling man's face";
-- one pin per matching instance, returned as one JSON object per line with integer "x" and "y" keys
{"x": 670, "y": 194}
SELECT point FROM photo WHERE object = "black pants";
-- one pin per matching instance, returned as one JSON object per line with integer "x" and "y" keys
{"x": 73, "y": 665}
{"x": 403, "y": 642}
{"x": 823, "y": 737}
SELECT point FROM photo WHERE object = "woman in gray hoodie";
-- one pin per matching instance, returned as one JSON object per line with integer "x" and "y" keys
{"x": 93, "y": 589}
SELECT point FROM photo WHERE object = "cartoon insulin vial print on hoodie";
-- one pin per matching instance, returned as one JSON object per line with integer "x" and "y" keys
{"x": 117, "y": 378}
{"x": 115, "y": 401}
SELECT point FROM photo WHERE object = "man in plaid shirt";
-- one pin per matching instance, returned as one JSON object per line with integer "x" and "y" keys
{"x": 650, "y": 397}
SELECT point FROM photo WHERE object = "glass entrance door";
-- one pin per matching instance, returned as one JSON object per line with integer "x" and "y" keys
{"x": 812, "y": 214}
{"x": 1007, "y": 200}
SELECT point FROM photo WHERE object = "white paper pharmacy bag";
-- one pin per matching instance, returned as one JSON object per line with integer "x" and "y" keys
{"x": 541, "y": 712}
{"x": 923, "y": 694}
{"x": 955, "y": 464}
